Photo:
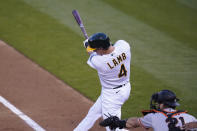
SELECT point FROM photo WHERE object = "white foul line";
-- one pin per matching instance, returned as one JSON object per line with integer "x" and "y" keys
{"x": 20, "y": 114}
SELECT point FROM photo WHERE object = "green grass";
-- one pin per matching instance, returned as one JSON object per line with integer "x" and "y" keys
{"x": 162, "y": 35}
{"x": 140, "y": 96}
{"x": 169, "y": 16}
{"x": 178, "y": 21}
{"x": 48, "y": 43}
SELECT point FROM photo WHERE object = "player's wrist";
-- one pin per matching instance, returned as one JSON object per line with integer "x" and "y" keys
{"x": 85, "y": 43}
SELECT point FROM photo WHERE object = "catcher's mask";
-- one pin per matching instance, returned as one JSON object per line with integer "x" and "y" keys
{"x": 98, "y": 41}
{"x": 166, "y": 97}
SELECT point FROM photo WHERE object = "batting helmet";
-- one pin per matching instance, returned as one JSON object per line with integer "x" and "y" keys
{"x": 98, "y": 40}
{"x": 166, "y": 97}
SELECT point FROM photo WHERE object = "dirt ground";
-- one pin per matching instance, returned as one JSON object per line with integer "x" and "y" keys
{"x": 40, "y": 95}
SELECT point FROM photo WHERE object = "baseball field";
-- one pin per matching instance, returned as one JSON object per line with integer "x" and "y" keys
{"x": 162, "y": 35}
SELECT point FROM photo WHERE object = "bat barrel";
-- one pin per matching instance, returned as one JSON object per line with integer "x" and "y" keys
{"x": 79, "y": 22}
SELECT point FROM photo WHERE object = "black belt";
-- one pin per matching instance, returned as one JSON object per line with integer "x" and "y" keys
{"x": 119, "y": 86}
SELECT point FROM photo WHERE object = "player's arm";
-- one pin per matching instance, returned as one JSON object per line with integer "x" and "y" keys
{"x": 190, "y": 125}
{"x": 132, "y": 122}
{"x": 114, "y": 122}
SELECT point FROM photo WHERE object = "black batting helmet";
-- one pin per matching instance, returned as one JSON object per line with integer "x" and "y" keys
{"x": 98, "y": 40}
{"x": 166, "y": 97}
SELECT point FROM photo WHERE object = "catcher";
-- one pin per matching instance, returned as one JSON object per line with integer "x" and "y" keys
{"x": 161, "y": 117}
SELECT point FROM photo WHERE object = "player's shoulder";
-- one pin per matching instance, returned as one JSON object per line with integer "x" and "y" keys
{"x": 94, "y": 60}
{"x": 153, "y": 113}
{"x": 94, "y": 56}
{"x": 149, "y": 114}
{"x": 188, "y": 116}
{"x": 149, "y": 117}
{"x": 122, "y": 43}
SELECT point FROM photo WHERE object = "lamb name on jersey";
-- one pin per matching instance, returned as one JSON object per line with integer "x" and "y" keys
{"x": 117, "y": 61}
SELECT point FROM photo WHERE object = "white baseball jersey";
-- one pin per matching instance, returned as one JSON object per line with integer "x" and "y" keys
{"x": 159, "y": 122}
{"x": 114, "y": 68}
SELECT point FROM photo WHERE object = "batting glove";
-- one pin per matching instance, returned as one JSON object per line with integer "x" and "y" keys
{"x": 85, "y": 43}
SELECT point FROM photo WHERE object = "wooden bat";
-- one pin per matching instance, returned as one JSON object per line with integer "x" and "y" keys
{"x": 79, "y": 22}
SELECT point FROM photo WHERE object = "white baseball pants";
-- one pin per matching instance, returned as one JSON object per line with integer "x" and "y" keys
{"x": 109, "y": 102}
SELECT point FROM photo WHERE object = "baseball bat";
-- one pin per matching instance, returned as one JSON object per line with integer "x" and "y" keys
{"x": 79, "y": 22}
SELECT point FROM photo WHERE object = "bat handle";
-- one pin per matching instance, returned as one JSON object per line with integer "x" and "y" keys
{"x": 84, "y": 31}
{"x": 86, "y": 36}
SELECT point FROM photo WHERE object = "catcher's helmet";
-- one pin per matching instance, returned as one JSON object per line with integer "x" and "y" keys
{"x": 166, "y": 97}
{"x": 98, "y": 40}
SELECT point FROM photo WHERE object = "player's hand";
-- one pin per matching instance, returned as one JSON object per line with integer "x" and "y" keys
{"x": 85, "y": 43}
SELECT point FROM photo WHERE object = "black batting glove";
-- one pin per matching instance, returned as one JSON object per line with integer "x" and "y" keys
{"x": 113, "y": 122}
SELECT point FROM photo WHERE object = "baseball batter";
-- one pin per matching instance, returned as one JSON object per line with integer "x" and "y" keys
{"x": 162, "y": 117}
{"x": 112, "y": 63}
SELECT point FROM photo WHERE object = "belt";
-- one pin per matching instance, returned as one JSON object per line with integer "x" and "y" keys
{"x": 119, "y": 86}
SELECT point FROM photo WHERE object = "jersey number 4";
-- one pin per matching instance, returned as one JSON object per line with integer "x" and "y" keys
{"x": 123, "y": 71}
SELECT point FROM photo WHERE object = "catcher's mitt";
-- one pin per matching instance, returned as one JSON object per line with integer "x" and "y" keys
{"x": 113, "y": 122}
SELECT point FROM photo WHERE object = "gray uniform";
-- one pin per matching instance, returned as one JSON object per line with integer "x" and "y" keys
{"x": 159, "y": 122}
